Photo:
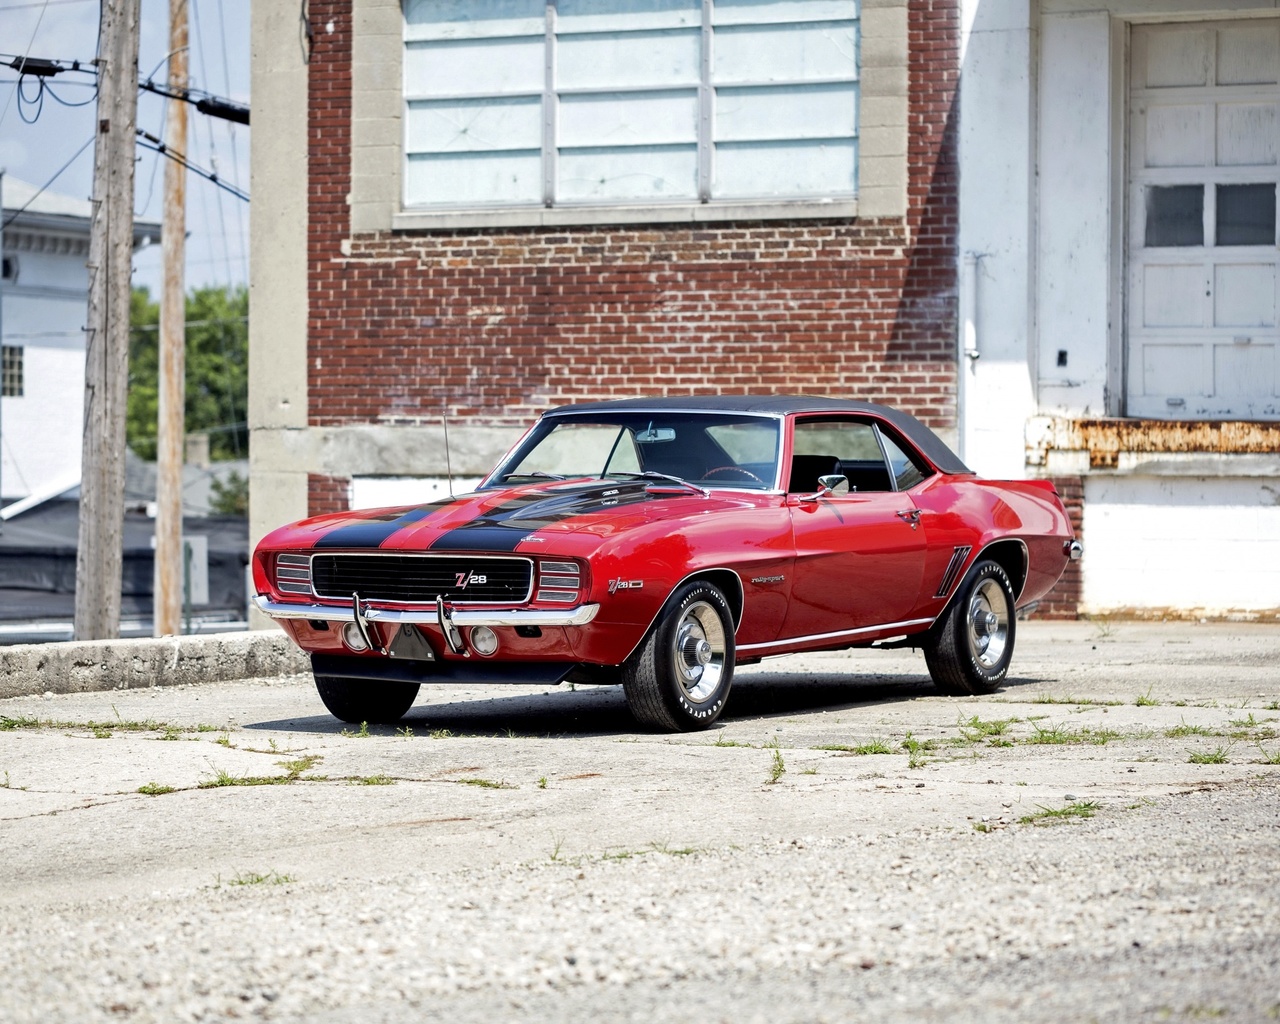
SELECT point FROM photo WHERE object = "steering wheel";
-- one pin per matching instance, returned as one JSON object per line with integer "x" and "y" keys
{"x": 733, "y": 469}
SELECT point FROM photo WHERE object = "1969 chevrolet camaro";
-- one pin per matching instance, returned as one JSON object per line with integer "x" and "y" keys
{"x": 660, "y": 542}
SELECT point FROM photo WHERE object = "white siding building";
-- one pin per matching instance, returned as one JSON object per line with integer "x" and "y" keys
{"x": 1118, "y": 240}
{"x": 45, "y": 292}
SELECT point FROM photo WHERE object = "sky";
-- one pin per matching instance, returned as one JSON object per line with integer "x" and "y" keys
{"x": 217, "y": 222}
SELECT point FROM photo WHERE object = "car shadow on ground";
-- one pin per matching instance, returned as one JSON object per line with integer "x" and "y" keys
{"x": 602, "y": 710}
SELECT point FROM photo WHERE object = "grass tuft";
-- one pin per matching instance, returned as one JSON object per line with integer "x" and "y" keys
{"x": 1053, "y": 815}
{"x": 777, "y": 768}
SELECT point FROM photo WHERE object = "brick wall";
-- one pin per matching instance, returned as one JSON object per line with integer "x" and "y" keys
{"x": 494, "y": 326}
{"x": 1063, "y": 601}
{"x": 327, "y": 494}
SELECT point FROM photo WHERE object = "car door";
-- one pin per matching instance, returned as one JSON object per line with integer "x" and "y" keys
{"x": 860, "y": 555}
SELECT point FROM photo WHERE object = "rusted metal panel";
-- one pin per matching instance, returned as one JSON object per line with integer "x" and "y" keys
{"x": 1105, "y": 439}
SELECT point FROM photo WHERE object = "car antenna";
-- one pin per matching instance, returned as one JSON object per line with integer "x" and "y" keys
{"x": 448, "y": 464}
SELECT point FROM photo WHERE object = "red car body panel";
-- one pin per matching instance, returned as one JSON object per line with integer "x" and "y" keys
{"x": 800, "y": 571}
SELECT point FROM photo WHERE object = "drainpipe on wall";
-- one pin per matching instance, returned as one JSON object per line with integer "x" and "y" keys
{"x": 968, "y": 339}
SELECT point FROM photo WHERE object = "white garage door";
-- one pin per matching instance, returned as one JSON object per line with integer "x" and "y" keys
{"x": 1202, "y": 338}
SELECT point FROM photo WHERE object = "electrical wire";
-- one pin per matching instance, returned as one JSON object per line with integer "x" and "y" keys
{"x": 16, "y": 213}
{"x": 149, "y": 141}
{"x": 43, "y": 7}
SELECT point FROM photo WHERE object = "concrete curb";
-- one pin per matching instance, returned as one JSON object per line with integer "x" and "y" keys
{"x": 139, "y": 664}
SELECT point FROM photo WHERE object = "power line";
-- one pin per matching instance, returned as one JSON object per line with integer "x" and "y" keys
{"x": 149, "y": 141}
{"x": 56, "y": 174}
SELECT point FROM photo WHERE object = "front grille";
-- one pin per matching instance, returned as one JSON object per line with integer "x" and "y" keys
{"x": 420, "y": 579}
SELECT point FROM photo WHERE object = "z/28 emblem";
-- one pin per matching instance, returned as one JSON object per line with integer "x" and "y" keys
{"x": 462, "y": 580}
{"x": 616, "y": 585}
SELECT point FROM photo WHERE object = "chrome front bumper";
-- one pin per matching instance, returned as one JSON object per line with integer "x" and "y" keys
{"x": 577, "y": 616}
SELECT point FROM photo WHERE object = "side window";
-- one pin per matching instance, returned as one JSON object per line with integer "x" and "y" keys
{"x": 848, "y": 448}
{"x": 906, "y": 472}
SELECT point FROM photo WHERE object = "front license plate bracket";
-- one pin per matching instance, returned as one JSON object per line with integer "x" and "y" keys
{"x": 410, "y": 644}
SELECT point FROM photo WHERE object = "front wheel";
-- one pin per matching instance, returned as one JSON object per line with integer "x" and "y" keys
{"x": 969, "y": 648}
{"x": 679, "y": 678}
{"x": 361, "y": 700}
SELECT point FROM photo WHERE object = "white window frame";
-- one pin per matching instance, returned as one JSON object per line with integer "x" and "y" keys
{"x": 377, "y": 143}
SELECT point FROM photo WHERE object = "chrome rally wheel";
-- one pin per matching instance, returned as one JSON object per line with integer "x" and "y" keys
{"x": 698, "y": 653}
{"x": 969, "y": 648}
{"x": 679, "y": 677}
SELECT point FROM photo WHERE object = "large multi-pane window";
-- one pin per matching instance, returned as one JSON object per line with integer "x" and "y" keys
{"x": 598, "y": 102}
{"x": 11, "y": 382}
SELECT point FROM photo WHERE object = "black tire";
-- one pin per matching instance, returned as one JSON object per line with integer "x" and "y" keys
{"x": 679, "y": 678}
{"x": 969, "y": 648}
{"x": 362, "y": 700}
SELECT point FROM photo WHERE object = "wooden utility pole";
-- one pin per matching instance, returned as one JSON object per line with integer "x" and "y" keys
{"x": 101, "y": 543}
{"x": 171, "y": 429}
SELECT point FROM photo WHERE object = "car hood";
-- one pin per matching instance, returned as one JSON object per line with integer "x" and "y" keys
{"x": 502, "y": 519}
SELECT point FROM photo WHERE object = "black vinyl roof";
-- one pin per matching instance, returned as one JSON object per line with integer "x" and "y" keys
{"x": 784, "y": 405}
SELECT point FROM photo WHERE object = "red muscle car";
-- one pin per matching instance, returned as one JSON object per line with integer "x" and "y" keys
{"x": 660, "y": 542}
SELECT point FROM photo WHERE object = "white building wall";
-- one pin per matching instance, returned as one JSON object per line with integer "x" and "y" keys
{"x": 1074, "y": 260}
{"x": 1183, "y": 546}
{"x": 1042, "y": 205}
{"x": 40, "y": 432}
{"x": 996, "y": 133}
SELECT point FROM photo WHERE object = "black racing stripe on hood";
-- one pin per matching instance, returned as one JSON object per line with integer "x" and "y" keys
{"x": 504, "y": 527}
{"x": 372, "y": 532}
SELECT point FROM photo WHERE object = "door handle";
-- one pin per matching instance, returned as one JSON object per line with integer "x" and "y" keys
{"x": 911, "y": 516}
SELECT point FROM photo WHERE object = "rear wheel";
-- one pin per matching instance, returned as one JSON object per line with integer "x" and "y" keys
{"x": 361, "y": 700}
{"x": 679, "y": 678}
{"x": 969, "y": 649}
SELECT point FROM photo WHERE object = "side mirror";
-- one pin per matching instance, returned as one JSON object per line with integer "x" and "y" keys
{"x": 830, "y": 486}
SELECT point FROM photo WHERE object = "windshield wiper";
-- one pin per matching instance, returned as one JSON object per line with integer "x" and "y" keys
{"x": 536, "y": 475}
{"x": 651, "y": 475}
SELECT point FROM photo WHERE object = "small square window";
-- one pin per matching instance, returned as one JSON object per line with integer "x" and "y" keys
{"x": 1246, "y": 215}
{"x": 1175, "y": 215}
{"x": 12, "y": 386}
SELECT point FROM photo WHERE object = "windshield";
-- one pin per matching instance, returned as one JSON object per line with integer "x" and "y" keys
{"x": 708, "y": 449}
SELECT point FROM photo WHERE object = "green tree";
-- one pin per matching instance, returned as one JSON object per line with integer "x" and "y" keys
{"x": 217, "y": 370}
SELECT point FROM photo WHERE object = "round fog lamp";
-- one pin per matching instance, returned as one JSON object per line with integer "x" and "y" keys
{"x": 352, "y": 638}
{"x": 484, "y": 641}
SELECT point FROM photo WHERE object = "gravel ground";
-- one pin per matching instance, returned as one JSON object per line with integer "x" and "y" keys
{"x": 1097, "y": 841}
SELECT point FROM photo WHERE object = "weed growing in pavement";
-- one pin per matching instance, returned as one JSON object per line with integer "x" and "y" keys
{"x": 224, "y": 778}
{"x": 101, "y": 732}
{"x": 405, "y": 732}
{"x": 1047, "y": 698}
{"x": 1145, "y": 700}
{"x": 778, "y": 767}
{"x": 916, "y": 750}
{"x": 374, "y": 780}
{"x": 1178, "y": 731}
{"x": 485, "y": 783}
{"x": 722, "y": 742}
{"x": 256, "y": 878}
{"x": 809, "y": 771}
{"x": 860, "y": 749}
{"x": 1271, "y": 758}
{"x": 440, "y": 734}
{"x": 1048, "y": 734}
{"x": 542, "y": 782}
{"x": 224, "y": 740}
{"x": 361, "y": 734}
{"x": 1052, "y": 815}
{"x": 666, "y": 848}
{"x": 975, "y": 729}
{"x": 982, "y": 826}
{"x": 1104, "y": 626}
{"x": 155, "y": 789}
{"x": 299, "y": 765}
{"x": 557, "y": 843}
{"x": 1216, "y": 756}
